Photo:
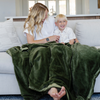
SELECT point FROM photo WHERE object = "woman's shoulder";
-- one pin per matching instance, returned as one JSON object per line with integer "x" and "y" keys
{"x": 50, "y": 21}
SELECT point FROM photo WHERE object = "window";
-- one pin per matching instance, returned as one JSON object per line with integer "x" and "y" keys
{"x": 43, "y": 2}
{"x": 72, "y": 7}
{"x": 30, "y": 4}
{"x": 57, "y": 6}
{"x": 62, "y": 7}
{"x": 52, "y": 7}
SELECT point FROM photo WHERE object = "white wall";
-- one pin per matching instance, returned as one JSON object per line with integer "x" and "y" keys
{"x": 18, "y": 7}
{"x": 24, "y": 7}
{"x": 85, "y": 6}
{"x": 7, "y": 8}
{"x": 93, "y": 7}
{"x": 78, "y": 6}
{"x": 82, "y": 6}
{"x": 21, "y": 7}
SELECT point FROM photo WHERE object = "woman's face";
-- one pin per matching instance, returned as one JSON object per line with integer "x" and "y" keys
{"x": 46, "y": 15}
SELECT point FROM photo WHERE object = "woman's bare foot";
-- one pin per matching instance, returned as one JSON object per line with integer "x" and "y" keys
{"x": 55, "y": 94}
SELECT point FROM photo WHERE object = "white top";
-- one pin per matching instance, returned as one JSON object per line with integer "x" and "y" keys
{"x": 66, "y": 35}
{"x": 46, "y": 31}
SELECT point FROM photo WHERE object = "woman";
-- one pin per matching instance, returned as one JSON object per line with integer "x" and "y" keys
{"x": 39, "y": 29}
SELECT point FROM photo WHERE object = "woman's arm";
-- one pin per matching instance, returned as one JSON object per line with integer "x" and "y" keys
{"x": 30, "y": 39}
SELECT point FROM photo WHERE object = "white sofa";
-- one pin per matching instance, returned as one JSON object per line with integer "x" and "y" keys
{"x": 87, "y": 32}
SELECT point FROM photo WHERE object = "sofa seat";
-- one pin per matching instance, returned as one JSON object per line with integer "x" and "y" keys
{"x": 7, "y": 76}
{"x": 6, "y": 65}
{"x": 98, "y": 47}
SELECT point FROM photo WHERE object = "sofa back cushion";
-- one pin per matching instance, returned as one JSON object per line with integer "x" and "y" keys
{"x": 19, "y": 27}
{"x": 88, "y": 32}
{"x": 72, "y": 24}
{"x": 8, "y": 36}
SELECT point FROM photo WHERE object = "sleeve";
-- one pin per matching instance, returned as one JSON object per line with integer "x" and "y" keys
{"x": 26, "y": 31}
{"x": 71, "y": 34}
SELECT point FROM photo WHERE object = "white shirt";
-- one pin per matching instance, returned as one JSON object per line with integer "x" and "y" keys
{"x": 46, "y": 31}
{"x": 66, "y": 35}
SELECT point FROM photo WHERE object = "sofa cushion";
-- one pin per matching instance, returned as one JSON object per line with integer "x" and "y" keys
{"x": 19, "y": 27}
{"x": 98, "y": 47}
{"x": 88, "y": 32}
{"x": 8, "y": 36}
{"x": 6, "y": 65}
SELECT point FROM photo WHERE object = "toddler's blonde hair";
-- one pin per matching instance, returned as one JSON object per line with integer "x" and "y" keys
{"x": 35, "y": 17}
{"x": 60, "y": 16}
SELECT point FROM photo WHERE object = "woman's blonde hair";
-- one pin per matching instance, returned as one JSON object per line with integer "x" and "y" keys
{"x": 60, "y": 16}
{"x": 35, "y": 17}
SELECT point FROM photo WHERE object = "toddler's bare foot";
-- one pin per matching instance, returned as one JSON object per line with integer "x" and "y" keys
{"x": 55, "y": 94}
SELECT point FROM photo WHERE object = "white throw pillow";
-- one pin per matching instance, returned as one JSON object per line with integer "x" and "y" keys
{"x": 8, "y": 36}
{"x": 88, "y": 32}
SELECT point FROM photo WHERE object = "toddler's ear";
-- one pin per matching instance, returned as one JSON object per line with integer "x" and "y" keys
{"x": 56, "y": 23}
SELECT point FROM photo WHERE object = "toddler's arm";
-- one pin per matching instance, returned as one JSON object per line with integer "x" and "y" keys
{"x": 71, "y": 41}
{"x": 76, "y": 40}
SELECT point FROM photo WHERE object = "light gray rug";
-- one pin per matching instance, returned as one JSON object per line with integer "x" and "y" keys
{"x": 94, "y": 97}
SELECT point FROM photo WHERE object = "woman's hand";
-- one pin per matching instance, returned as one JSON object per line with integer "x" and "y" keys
{"x": 54, "y": 38}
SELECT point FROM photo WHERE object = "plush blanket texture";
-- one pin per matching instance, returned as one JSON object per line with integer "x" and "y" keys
{"x": 38, "y": 67}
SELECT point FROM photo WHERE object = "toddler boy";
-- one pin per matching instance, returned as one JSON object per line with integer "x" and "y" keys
{"x": 66, "y": 33}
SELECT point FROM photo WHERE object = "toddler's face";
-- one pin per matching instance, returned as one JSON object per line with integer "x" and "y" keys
{"x": 61, "y": 23}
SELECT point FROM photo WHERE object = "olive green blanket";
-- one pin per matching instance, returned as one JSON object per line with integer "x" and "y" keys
{"x": 38, "y": 67}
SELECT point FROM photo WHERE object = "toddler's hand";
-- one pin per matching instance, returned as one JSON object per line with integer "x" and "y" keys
{"x": 63, "y": 43}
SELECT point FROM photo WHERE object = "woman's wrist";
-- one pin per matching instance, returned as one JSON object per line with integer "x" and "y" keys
{"x": 47, "y": 39}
